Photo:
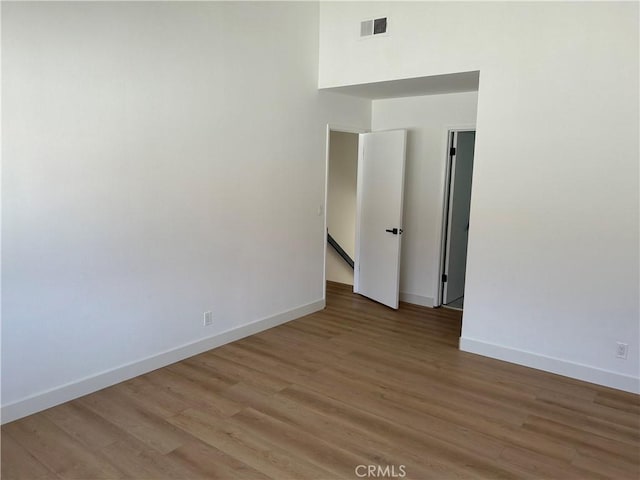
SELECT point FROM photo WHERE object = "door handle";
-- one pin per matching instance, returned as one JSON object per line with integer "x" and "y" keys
{"x": 395, "y": 231}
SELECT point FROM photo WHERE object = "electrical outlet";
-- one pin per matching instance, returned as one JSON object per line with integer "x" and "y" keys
{"x": 622, "y": 349}
{"x": 208, "y": 319}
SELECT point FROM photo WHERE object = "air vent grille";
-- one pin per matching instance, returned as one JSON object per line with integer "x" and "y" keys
{"x": 374, "y": 26}
{"x": 366, "y": 28}
{"x": 380, "y": 26}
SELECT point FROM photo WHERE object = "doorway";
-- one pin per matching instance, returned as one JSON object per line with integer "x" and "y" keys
{"x": 457, "y": 203}
{"x": 364, "y": 217}
{"x": 342, "y": 168}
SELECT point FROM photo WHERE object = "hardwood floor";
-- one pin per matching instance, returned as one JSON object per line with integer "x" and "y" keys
{"x": 355, "y": 384}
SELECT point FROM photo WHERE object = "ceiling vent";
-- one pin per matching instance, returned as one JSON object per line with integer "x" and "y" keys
{"x": 377, "y": 26}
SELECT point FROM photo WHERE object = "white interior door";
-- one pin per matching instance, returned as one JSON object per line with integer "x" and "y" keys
{"x": 380, "y": 193}
{"x": 458, "y": 222}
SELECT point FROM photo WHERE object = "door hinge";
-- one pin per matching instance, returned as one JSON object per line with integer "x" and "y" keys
{"x": 444, "y": 277}
{"x": 452, "y": 151}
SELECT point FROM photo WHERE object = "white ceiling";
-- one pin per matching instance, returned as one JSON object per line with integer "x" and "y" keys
{"x": 413, "y": 87}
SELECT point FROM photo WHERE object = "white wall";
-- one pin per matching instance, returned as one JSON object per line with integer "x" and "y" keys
{"x": 341, "y": 203}
{"x": 427, "y": 119}
{"x": 159, "y": 160}
{"x": 552, "y": 274}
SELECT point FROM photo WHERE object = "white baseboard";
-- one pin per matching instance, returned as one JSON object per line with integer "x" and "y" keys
{"x": 84, "y": 386}
{"x": 416, "y": 299}
{"x": 553, "y": 365}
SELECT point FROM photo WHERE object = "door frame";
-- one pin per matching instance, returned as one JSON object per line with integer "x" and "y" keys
{"x": 323, "y": 208}
{"x": 448, "y": 135}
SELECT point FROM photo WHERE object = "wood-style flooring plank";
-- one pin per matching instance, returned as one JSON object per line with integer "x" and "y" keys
{"x": 354, "y": 384}
{"x": 20, "y": 463}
